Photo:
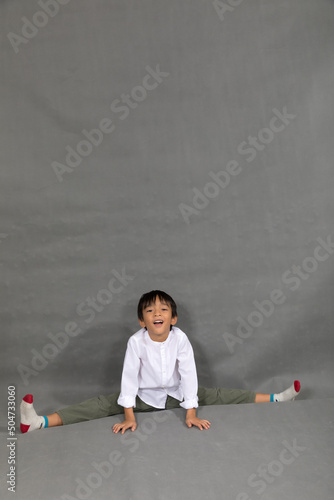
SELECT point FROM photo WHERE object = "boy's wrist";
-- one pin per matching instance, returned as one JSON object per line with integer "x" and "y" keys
{"x": 191, "y": 412}
{"x": 129, "y": 414}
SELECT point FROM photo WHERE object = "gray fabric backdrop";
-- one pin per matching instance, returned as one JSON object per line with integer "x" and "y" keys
{"x": 183, "y": 145}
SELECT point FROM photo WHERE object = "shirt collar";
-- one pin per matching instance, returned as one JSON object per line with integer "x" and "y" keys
{"x": 153, "y": 341}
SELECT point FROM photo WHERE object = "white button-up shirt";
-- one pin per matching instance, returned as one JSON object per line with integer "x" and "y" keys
{"x": 152, "y": 370}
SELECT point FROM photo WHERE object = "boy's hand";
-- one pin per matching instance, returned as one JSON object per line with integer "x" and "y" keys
{"x": 191, "y": 420}
{"x": 127, "y": 424}
{"x": 198, "y": 422}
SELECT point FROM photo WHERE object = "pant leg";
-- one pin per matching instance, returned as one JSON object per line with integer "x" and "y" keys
{"x": 216, "y": 396}
{"x": 221, "y": 396}
{"x": 98, "y": 407}
{"x": 172, "y": 403}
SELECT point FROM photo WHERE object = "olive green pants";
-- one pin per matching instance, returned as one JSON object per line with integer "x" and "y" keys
{"x": 105, "y": 406}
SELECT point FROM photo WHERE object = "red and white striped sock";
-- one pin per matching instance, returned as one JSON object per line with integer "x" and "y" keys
{"x": 30, "y": 421}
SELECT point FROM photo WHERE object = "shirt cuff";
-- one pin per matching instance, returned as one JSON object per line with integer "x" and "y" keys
{"x": 127, "y": 401}
{"x": 190, "y": 403}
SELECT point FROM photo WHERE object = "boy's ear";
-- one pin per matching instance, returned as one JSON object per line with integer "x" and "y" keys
{"x": 173, "y": 321}
{"x": 142, "y": 323}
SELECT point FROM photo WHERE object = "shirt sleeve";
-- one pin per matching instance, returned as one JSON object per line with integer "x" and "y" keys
{"x": 129, "y": 383}
{"x": 188, "y": 374}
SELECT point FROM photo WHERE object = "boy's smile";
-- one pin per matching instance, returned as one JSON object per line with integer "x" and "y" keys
{"x": 158, "y": 320}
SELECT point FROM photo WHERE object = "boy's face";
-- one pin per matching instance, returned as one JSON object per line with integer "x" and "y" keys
{"x": 157, "y": 320}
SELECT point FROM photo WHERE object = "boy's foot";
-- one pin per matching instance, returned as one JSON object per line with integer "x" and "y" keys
{"x": 30, "y": 421}
{"x": 287, "y": 395}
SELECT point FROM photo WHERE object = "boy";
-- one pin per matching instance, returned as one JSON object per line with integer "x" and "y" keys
{"x": 159, "y": 372}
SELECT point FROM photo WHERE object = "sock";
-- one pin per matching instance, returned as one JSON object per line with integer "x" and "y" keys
{"x": 30, "y": 421}
{"x": 287, "y": 395}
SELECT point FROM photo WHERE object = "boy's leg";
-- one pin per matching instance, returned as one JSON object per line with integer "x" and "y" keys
{"x": 94, "y": 408}
{"x": 172, "y": 403}
{"x": 221, "y": 396}
{"x": 287, "y": 395}
{"x": 218, "y": 396}
{"x": 91, "y": 409}
{"x": 262, "y": 398}
{"x": 54, "y": 420}
{"x": 98, "y": 407}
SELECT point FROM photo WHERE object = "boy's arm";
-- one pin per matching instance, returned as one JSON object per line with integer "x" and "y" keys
{"x": 129, "y": 389}
{"x": 187, "y": 370}
{"x": 128, "y": 423}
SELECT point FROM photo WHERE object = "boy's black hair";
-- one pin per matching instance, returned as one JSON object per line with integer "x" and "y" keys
{"x": 150, "y": 297}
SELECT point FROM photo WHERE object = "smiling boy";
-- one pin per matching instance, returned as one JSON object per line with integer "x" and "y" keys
{"x": 159, "y": 372}
{"x": 159, "y": 363}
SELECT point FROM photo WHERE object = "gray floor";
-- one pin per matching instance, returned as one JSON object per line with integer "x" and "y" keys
{"x": 268, "y": 451}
